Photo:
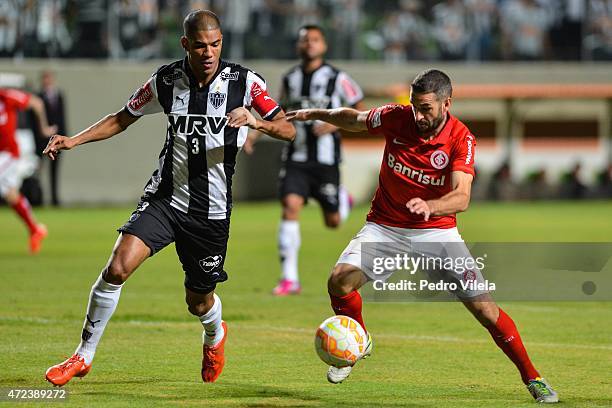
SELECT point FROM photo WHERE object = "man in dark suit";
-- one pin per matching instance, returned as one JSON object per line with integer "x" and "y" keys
{"x": 54, "y": 107}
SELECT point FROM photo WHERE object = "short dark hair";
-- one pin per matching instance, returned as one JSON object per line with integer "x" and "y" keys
{"x": 433, "y": 80}
{"x": 309, "y": 27}
{"x": 200, "y": 20}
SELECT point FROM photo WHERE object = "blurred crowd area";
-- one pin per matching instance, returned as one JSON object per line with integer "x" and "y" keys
{"x": 537, "y": 184}
{"x": 390, "y": 30}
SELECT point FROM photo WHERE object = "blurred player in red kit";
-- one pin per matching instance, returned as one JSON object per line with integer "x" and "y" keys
{"x": 425, "y": 179}
{"x": 11, "y": 102}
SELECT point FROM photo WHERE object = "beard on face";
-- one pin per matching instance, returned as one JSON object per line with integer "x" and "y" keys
{"x": 424, "y": 126}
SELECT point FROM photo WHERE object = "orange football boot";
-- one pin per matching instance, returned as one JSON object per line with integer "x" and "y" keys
{"x": 37, "y": 237}
{"x": 214, "y": 358}
{"x": 60, "y": 374}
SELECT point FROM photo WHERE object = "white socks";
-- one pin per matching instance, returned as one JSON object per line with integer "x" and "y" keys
{"x": 288, "y": 247}
{"x": 103, "y": 301}
{"x": 344, "y": 203}
{"x": 213, "y": 331}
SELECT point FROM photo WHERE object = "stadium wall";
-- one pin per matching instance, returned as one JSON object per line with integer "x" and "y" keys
{"x": 114, "y": 172}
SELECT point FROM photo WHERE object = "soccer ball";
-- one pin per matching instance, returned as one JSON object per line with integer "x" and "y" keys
{"x": 340, "y": 341}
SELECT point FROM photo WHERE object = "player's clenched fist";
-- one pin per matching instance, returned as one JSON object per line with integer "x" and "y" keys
{"x": 241, "y": 117}
{"x": 56, "y": 144}
{"x": 419, "y": 206}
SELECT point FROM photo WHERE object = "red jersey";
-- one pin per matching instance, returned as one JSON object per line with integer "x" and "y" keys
{"x": 11, "y": 101}
{"x": 414, "y": 168}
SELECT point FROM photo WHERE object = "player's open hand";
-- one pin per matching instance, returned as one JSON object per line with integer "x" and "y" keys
{"x": 419, "y": 206}
{"x": 301, "y": 115}
{"x": 56, "y": 144}
{"x": 241, "y": 117}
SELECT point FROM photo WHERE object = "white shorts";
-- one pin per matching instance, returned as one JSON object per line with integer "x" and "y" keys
{"x": 442, "y": 251}
{"x": 9, "y": 173}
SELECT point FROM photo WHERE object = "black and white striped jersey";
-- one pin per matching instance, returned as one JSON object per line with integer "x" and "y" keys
{"x": 326, "y": 87}
{"x": 198, "y": 159}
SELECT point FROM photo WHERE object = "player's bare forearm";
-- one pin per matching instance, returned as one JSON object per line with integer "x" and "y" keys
{"x": 278, "y": 128}
{"x": 344, "y": 118}
{"x": 453, "y": 202}
{"x": 105, "y": 128}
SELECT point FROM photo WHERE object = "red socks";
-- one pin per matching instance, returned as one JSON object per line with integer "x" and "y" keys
{"x": 507, "y": 338}
{"x": 23, "y": 209}
{"x": 348, "y": 305}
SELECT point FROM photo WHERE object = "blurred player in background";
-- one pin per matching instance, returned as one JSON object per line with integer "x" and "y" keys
{"x": 425, "y": 179}
{"x": 53, "y": 99}
{"x": 311, "y": 162}
{"x": 11, "y": 102}
{"x": 188, "y": 199}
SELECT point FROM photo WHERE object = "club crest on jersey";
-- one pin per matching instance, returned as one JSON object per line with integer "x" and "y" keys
{"x": 211, "y": 262}
{"x": 216, "y": 99}
{"x": 439, "y": 159}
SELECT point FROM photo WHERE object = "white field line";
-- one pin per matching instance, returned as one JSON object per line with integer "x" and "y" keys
{"x": 304, "y": 331}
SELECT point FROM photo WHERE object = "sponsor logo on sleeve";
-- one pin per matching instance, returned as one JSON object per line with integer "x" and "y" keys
{"x": 142, "y": 97}
{"x": 439, "y": 159}
{"x": 470, "y": 143}
{"x": 376, "y": 121}
{"x": 256, "y": 90}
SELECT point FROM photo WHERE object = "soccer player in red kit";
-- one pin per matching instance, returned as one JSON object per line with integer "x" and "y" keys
{"x": 425, "y": 179}
{"x": 11, "y": 102}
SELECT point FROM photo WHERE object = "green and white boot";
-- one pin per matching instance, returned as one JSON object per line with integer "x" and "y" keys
{"x": 542, "y": 392}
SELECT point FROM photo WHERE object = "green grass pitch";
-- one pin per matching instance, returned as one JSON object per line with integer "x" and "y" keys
{"x": 425, "y": 354}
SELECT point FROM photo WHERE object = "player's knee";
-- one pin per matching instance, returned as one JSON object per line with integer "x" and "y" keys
{"x": 117, "y": 271}
{"x": 332, "y": 222}
{"x": 486, "y": 314}
{"x": 199, "y": 308}
{"x": 339, "y": 283}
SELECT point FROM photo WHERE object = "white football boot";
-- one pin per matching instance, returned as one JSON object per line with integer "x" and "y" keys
{"x": 336, "y": 375}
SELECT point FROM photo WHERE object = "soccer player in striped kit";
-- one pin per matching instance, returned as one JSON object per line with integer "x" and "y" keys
{"x": 188, "y": 199}
{"x": 311, "y": 162}
{"x": 425, "y": 180}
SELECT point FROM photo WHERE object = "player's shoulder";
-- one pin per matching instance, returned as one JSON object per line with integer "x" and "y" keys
{"x": 460, "y": 130}
{"x": 244, "y": 72}
{"x": 292, "y": 71}
{"x": 389, "y": 115}
{"x": 13, "y": 94}
{"x": 394, "y": 109}
{"x": 332, "y": 68}
{"x": 174, "y": 68}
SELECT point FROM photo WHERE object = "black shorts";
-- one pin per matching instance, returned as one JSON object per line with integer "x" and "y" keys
{"x": 201, "y": 244}
{"x": 315, "y": 180}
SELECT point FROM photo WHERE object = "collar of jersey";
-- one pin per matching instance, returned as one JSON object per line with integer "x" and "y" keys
{"x": 193, "y": 82}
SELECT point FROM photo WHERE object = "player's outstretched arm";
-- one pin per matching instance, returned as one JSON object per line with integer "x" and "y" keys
{"x": 278, "y": 127}
{"x": 454, "y": 202}
{"x": 345, "y": 118}
{"x": 105, "y": 128}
